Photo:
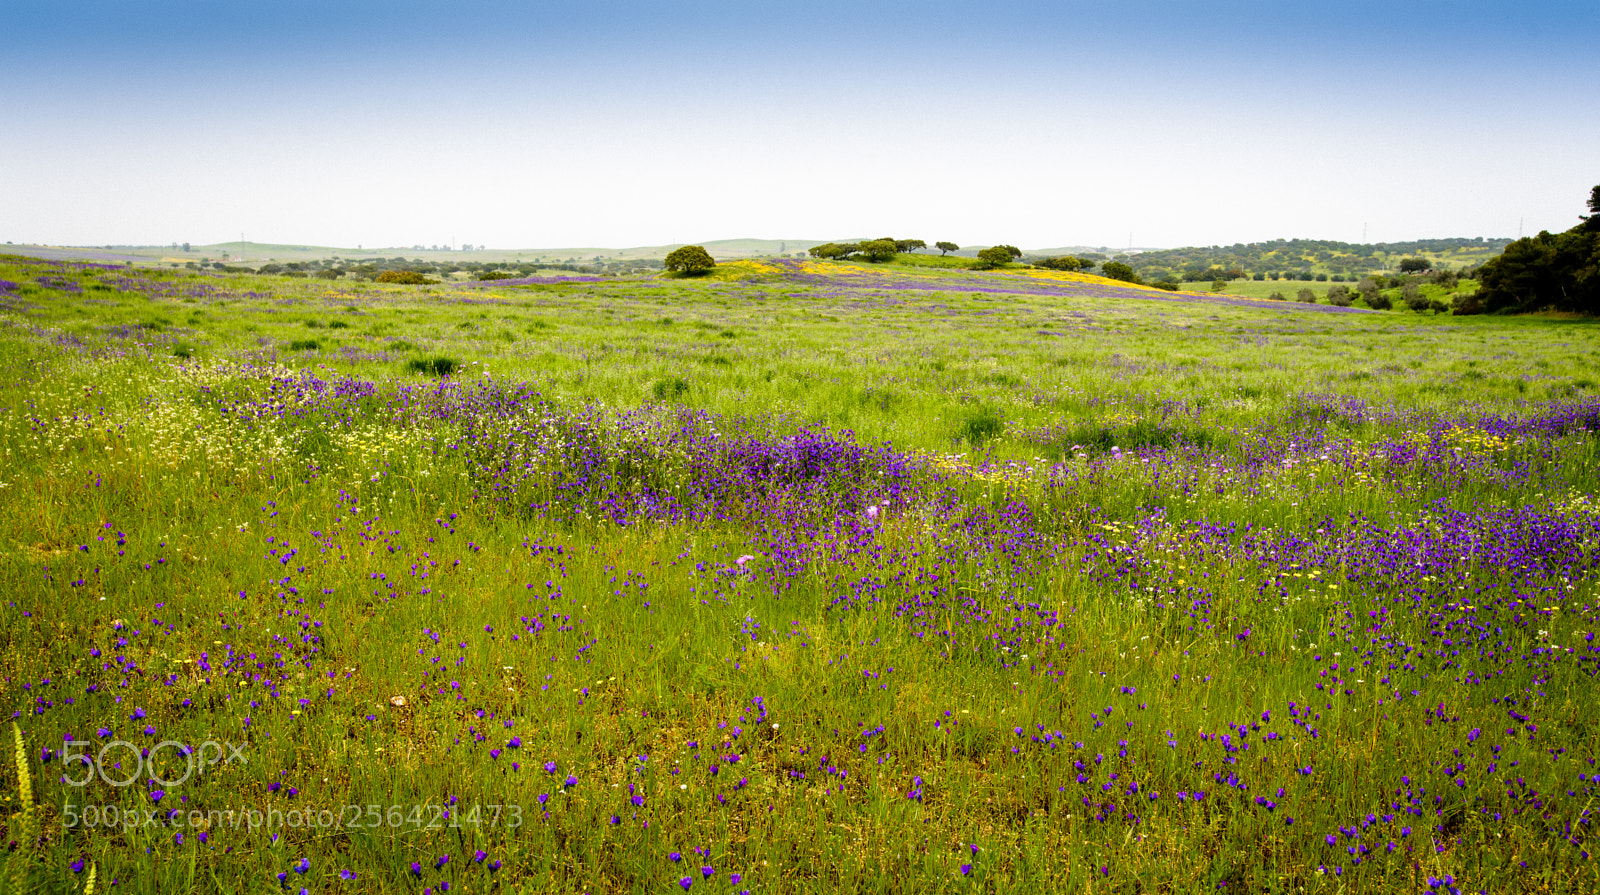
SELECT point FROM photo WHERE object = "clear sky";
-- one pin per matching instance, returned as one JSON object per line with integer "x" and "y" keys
{"x": 622, "y": 122}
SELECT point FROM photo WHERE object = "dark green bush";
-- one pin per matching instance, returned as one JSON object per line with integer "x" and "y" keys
{"x": 404, "y": 278}
{"x": 433, "y": 366}
{"x": 304, "y": 345}
{"x": 1467, "y": 305}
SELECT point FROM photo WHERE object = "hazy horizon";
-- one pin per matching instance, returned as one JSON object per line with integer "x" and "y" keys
{"x": 625, "y": 124}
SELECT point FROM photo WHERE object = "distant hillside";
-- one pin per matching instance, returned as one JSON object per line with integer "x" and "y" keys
{"x": 1307, "y": 256}
{"x": 1289, "y": 258}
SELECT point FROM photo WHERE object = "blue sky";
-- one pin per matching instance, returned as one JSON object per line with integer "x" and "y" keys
{"x": 627, "y": 123}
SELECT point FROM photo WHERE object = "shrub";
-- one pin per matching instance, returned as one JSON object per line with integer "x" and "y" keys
{"x": 1378, "y": 301}
{"x": 998, "y": 256}
{"x": 1467, "y": 305}
{"x": 1167, "y": 285}
{"x": 404, "y": 278}
{"x": 1412, "y": 295}
{"x": 1061, "y": 262}
{"x": 1339, "y": 296}
{"x": 304, "y": 345}
{"x": 1305, "y": 296}
{"x": 1116, "y": 270}
{"x": 330, "y": 273}
{"x": 433, "y": 366}
{"x": 1277, "y": 296}
{"x": 496, "y": 275}
{"x": 690, "y": 260}
{"x": 880, "y": 249}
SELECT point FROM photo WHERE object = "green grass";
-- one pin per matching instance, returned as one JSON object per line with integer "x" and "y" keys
{"x": 203, "y": 547}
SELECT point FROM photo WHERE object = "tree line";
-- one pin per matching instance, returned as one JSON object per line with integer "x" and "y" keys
{"x": 1298, "y": 259}
{"x": 1554, "y": 271}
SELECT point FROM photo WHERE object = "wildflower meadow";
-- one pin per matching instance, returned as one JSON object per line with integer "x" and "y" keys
{"x": 797, "y": 577}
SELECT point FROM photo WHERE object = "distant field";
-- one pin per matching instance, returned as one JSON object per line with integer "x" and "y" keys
{"x": 798, "y": 577}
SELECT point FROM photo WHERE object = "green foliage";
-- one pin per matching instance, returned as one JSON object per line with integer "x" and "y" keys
{"x": 304, "y": 345}
{"x": 433, "y": 366}
{"x": 1117, "y": 270}
{"x": 999, "y": 255}
{"x": 1305, "y": 296}
{"x": 1556, "y": 271}
{"x": 690, "y": 260}
{"x": 1061, "y": 262}
{"x": 1196, "y": 275}
{"x": 946, "y": 248}
{"x": 1467, "y": 304}
{"x": 906, "y": 246}
{"x": 832, "y": 251}
{"x": 490, "y": 275}
{"x": 1411, "y": 295}
{"x": 1415, "y": 265}
{"x": 404, "y": 278}
{"x": 879, "y": 249}
{"x": 1306, "y": 258}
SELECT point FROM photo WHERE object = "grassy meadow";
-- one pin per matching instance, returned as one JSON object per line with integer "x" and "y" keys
{"x": 799, "y": 577}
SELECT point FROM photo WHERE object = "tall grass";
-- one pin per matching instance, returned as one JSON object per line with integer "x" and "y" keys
{"x": 1165, "y": 606}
